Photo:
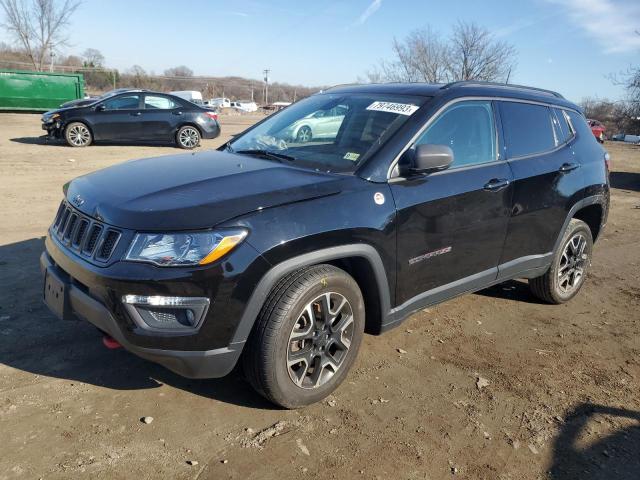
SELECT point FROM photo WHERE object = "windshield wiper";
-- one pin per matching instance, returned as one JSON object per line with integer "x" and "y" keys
{"x": 267, "y": 154}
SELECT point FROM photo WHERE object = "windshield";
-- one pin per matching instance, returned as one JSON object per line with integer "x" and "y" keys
{"x": 329, "y": 132}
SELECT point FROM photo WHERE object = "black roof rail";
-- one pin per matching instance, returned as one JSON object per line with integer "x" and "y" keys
{"x": 496, "y": 84}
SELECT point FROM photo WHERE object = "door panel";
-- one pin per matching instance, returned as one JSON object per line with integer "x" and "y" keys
{"x": 158, "y": 117}
{"x": 119, "y": 120}
{"x": 449, "y": 226}
{"x": 546, "y": 184}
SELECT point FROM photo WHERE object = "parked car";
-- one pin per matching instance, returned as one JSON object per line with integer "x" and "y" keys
{"x": 192, "y": 96}
{"x": 245, "y": 106}
{"x": 597, "y": 129}
{"x": 282, "y": 254}
{"x": 221, "y": 102}
{"x": 133, "y": 115}
{"x": 318, "y": 125}
{"x": 635, "y": 139}
{"x": 618, "y": 137}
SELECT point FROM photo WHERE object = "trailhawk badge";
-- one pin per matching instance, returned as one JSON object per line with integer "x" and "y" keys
{"x": 435, "y": 253}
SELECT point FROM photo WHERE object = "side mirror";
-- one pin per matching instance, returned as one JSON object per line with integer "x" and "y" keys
{"x": 429, "y": 158}
{"x": 101, "y": 108}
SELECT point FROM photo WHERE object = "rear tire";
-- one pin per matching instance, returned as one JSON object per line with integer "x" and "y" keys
{"x": 306, "y": 337}
{"x": 188, "y": 137}
{"x": 568, "y": 271}
{"x": 77, "y": 134}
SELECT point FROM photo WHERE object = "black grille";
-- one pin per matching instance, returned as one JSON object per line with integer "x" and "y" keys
{"x": 84, "y": 235}
{"x": 109, "y": 241}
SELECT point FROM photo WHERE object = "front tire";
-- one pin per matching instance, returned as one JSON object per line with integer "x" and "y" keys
{"x": 304, "y": 135}
{"x": 568, "y": 272}
{"x": 77, "y": 134}
{"x": 306, "y": 337}
{"x": 188, "y": 137}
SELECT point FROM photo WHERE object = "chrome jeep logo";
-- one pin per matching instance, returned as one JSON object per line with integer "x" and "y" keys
{"x": 77, "y": 200}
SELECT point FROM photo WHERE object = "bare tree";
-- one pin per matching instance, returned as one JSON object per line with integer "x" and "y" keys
{"x": 38, "y": 26}
{"x": 470, "y": 53}
{"x": 180, "y": 71}
{"x": 475, "y": 55}
{"x": 93, "y": 58}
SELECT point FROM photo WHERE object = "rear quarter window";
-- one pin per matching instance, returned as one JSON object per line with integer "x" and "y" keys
{"x": 579, "y": 124}
{"x": 563, "y": 131}
{"x": 527, "y": 128}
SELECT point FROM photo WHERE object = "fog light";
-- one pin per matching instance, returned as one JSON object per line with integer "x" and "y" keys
{"x": 180, "y": 314}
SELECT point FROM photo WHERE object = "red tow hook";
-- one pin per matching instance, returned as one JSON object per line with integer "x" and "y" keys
{"x": 110, "y": 342}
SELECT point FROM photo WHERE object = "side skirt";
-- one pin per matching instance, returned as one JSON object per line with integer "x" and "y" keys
{"x": 525, "y": 267}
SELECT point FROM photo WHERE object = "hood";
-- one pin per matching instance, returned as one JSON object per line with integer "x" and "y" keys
{"x": 66, "y": 107}
{"x": 80, "y": 102}
{"x": 193, "y": 191}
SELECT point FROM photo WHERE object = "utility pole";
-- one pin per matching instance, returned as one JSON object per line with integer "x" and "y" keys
{"x": 266, "y": 85}
{"x": 51, "y": 55}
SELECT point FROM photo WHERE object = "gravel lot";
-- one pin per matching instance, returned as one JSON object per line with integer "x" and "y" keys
{"x": 559, "y": 396}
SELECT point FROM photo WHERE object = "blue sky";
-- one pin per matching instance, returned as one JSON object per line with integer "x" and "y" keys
{"x": 567, "y": 45}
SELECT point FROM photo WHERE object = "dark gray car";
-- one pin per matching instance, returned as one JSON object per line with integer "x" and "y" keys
{"x": 133, "y": 116}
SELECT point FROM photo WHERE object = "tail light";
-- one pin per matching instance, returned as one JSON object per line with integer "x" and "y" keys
{"x": 212, "y": 115}
{"x": 607, "y": 160}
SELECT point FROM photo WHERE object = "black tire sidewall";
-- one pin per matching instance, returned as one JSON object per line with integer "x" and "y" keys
{"x": 286, "y": 392}
{"x": 574, "y": 227}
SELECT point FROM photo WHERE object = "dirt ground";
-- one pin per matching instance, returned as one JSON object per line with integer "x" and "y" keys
{"x": 558, "y": 395}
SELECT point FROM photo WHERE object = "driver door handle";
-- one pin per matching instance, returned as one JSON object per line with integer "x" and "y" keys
{"x": 567, "y": 167}
{"x": 135, "y": 114}
{"x": 496, "y": 184}
{"x": 177, "y": 113}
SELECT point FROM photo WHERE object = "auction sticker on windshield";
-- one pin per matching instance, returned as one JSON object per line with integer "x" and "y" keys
{"x": 390, "y": 107}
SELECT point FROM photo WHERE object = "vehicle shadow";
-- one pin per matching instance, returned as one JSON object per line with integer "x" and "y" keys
{"x": 625, "y": 181}
{"x": 614, "y": 456}
{"x": 517, "y": 290}
{"x": 56, "y": 142}
{"x": 35, "y": 341}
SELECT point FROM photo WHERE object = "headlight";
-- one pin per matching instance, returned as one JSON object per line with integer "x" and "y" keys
{"x": 50, "y": 118}
{"x": 183, "y": 248}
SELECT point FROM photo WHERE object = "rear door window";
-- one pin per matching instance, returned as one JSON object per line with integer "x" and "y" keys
{"x": 157, "y": 102}
{"x": 528, "y": 128}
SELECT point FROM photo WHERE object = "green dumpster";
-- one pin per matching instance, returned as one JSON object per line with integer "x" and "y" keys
{"x": 38, "y": 91}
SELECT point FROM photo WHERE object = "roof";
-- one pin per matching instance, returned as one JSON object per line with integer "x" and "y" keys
{"x": 457, "y": 89}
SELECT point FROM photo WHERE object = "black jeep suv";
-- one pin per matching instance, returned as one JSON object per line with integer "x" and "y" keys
{"x": 281, "y": 249}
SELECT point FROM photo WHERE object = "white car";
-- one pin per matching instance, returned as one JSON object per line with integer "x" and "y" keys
{"x": 221, "y": 102}
{"x": 323, "y": 124}
{"x": 245, "y": 106}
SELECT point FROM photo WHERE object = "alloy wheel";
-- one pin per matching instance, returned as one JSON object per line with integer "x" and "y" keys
{"x": 79, "y": 135}
{"x": 320, "y": 340}
{"x": 304, "y": 135}
{"x": 189, "y": 137}
{"x": 573, "y": 263}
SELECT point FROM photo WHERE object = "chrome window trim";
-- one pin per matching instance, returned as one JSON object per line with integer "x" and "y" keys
{"x": 437, "y": 113}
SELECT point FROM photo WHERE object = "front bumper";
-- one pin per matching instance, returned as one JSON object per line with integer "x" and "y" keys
{"x": 192, "y": 364}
